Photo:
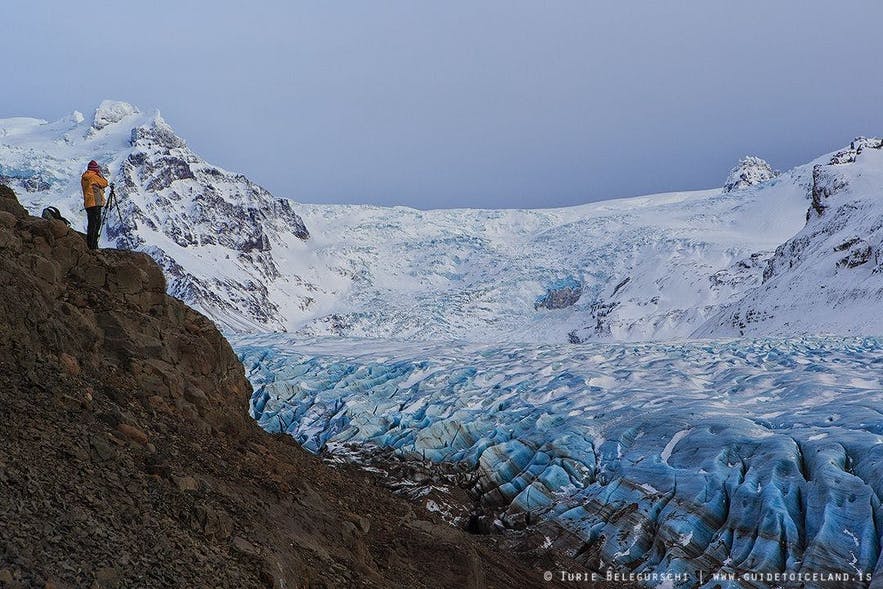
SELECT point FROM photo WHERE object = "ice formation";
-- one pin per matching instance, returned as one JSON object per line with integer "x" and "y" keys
{"x": 758, "y": 455}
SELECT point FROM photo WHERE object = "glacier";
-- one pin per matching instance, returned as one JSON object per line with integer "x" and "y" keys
{"x": 762, "y": 455}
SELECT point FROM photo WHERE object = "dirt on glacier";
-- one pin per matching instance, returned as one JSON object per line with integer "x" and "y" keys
{"x": 128, "y": 459}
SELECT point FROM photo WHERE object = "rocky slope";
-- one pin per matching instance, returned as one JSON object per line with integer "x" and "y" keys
{"x": 129, "y": 459}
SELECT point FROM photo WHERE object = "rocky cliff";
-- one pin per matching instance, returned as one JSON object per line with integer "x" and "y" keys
{"x": 129, "y": 459}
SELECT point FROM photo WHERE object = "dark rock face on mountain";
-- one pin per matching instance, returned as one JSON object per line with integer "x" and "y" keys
{"x": 168, "y": 189}
{"x": 561, "y": 294}
{"x": 128, "y": 458}
{"x": 826, "y": 182}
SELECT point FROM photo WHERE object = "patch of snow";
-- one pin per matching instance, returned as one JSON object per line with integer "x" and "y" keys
{"x": 669, "y": 448}
{"x": 110, "y": 112}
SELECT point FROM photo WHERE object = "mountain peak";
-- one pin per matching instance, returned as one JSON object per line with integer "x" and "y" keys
{"x": 110, "y": 112}
{"x": 750, "y": 171}
{"x": 157, "y": 133}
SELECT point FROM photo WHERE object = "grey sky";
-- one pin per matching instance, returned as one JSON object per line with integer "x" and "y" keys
{"x": 497, "y": 103}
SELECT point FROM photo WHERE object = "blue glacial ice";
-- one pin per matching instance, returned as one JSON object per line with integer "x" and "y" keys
{"x": 719, "y": 456}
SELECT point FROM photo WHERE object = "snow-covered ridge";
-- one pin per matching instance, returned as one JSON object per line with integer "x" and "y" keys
{"x": 648, "y": 268}
{"x": 828, "y": 278}
{"x": 750, "y": 455}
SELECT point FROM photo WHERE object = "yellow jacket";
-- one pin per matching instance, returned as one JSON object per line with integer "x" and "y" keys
{"x": 93, "y": 185}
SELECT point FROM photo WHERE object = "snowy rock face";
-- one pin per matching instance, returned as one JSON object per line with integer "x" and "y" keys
{"x": 760, "y": 456}
{"x": 562, "y": 293}
{"x": 750, "y": 171}
{"x": 221, "y": 239}
{"x": 828, "y": 278}
{"x": 166, "y": 189}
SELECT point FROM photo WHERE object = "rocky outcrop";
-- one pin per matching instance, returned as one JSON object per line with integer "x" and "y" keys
{"x": 743, "y": 274}
{"x": 9, "y": 204}
{"x": 129, "y": 458}
{"x": 826, "y": 182}
{"x": 857, "y": 252}
{"x": 750, "y": 171}
{"x": 856, "y": 146}
{"x": 562, "y": 293}
{"x": 114, "y": 314}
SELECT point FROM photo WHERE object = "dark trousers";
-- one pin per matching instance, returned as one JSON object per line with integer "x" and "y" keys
{"x": 94, "y": 216}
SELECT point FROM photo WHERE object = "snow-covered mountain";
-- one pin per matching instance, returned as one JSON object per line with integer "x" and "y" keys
{"x": 750, "y": 171}
{"x": 654, "y": 267}
{"x": 647, "y": 267}
{"x": 219, "y": 237}
{"x": 828, "y": 278}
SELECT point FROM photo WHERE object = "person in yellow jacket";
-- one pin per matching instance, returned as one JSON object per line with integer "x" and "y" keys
{"x": 93, "y": 184}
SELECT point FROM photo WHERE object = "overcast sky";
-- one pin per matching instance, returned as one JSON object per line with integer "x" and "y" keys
{"x": 500, "y": 103}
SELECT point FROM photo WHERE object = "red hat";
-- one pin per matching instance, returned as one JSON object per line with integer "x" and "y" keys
{"x": 93, "y": 165}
